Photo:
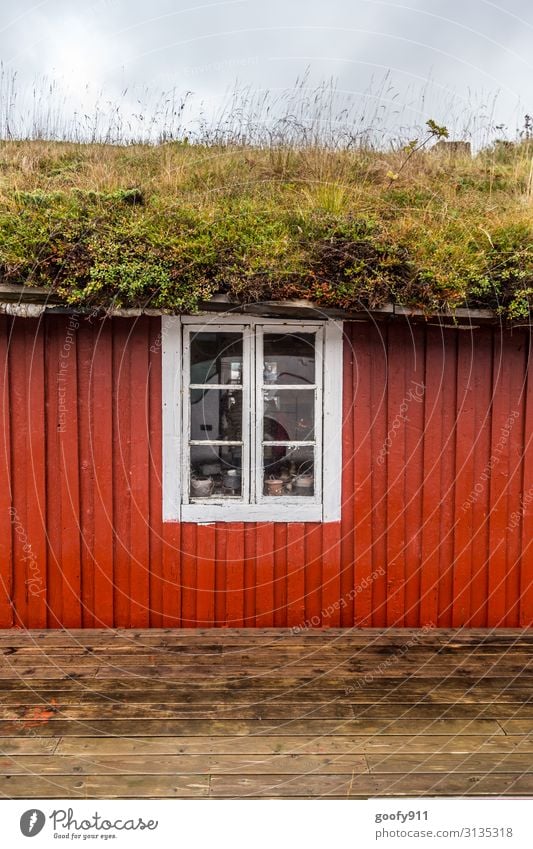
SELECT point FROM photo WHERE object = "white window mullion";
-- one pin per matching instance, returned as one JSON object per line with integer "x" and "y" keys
{"x": 319, "y": 413}
{"x": 332, "y": 421}
{"x": 259, "y": 415}
{"x": 247, "y": 414}
{"x": 252, "y": 423}
{"x": 186, "y": 407}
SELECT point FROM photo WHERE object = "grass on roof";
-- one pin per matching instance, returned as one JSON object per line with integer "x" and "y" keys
{"x": 170, "y": 225}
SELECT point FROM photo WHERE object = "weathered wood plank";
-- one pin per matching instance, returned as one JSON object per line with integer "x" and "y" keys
{"x": 374, "y": 744}
{"x": 484, "y": 762}
{"x": 248, "y": 665}
{"x": 265, "y": 636}
{"x": 137, "y": 704}
{"x": 518, "y": 725}
{"x": 348, "y": 786}
{"x": 287, "y": 692}
{"x": 229, "y": 728}
{"x": 133, "y": 707}
{"x": 103, "y": 786}
{"x": 36, "y": 715}
{"x": 226, "y": 764}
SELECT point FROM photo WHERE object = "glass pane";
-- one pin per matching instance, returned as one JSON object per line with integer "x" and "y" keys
{"x": 289, "y": 358}
{"x": 288, "y": 470}
{"x": 216, "y": 414}
{"x": 289, "y": 415}
{"x": 216, "y": 358}
{"x": 215, "y": 471}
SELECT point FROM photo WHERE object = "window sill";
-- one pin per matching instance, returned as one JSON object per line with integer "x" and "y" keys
{"x": 199, "y": 513}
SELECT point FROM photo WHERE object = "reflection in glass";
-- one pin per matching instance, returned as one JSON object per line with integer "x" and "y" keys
{"x": 215, "y": 471}
{"x": 289, "y": 358}
{"x": 289, "y": 415}
{"x": 288, "y": 470}
{"x": 216, "y": 358}
{"x": 216, "y": 414}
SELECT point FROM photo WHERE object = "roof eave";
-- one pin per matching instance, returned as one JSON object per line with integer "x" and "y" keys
{"x": 31, "y": 302}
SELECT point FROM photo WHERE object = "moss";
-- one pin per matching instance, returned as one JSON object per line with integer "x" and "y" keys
{"x": 172, "y": 225}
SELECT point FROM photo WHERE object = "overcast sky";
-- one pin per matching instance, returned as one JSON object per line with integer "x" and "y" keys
{"x": 446, "y": 59}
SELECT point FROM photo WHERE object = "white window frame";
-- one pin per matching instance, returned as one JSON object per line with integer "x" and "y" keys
{"x": 325, "y": 505}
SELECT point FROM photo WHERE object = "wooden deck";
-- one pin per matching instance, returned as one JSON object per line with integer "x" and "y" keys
{"x": 263, "y": 713}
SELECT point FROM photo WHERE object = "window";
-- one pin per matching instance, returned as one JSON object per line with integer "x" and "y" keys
{"x": 252, "y": 419}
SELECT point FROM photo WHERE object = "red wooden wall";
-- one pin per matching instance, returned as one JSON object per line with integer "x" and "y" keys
{"x": 437, "y": 519}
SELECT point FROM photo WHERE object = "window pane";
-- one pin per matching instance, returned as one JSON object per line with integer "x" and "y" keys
{"x": 216, "y": 414}
{"x": 289, "y": 415}
{"x": 216, "y": 358}
{"x": 288, "y": 470}
{"x": 289, "y": 358}
{"x": 215, "y": 471}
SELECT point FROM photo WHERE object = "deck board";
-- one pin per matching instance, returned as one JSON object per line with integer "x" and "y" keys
{"x": 265, "y": 713}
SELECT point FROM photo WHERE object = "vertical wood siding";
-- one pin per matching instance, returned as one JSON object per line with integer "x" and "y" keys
{"x": 437, "y": 483}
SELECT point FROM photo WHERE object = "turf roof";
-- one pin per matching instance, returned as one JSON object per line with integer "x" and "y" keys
{"x": 169, "y": 226}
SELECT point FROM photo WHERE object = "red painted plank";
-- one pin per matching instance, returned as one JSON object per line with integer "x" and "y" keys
{"x": 189, "y": 589}
{"x": 523, "y": 522}
{"x": 249, "y": 574}
{"x": 378, "y": 518}
{"x": 85, "y": 348}
{"x": 295, "y": 575}
{"x": 396, "y": 532}
{"x": 20, "y": 467}
{"x": 139, "y": 547}
{"x": 347, "y": 537}
{"x": 165, "y": 539}
{"x": 221, "y": 569}
{"x": 313, "y": 575}
{"x": 498, "y": 482}
{"x": 467, "y": 490}
{"x": 101, "y": 427}
{"x": 433, "y": 461}
{"x": 6, "y": 505}
{"x": 448, "y": 386}
{"x": 265, "y": 575}
{"x": 172, "y": 575}
{"x": 205, "y": 576}
{"x": 54, "y": 334}
{"x": 280, "y": 575}
{"x": 481, "y": 369}
{"x": 363, "y": 463}
{"x": 348, "y": 542}
{"x": 69, "y": 476}
{"x": 235, "y": 575}
{"x": 331, "y": 568}
{"x": 414, "y": 472}
{"x": 516, "y": 350}
{"x": 36, "y": 565}
{"x": 122, "y": 377}
{"x": 154, "y": 448}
